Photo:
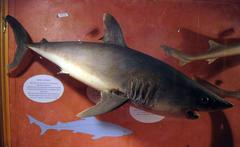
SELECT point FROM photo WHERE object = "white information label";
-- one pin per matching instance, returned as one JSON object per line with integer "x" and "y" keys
{"x": 143, "y": 116}
{"x": 43, "y": 88}
{"x": 62, "y": 14}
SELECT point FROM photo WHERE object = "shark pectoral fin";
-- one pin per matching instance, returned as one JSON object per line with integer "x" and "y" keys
{"x": 214, "y": 45}
{"x": 109, "y": 101}
{"x": 113, "y": 33}
{"x": 211, "y": 60}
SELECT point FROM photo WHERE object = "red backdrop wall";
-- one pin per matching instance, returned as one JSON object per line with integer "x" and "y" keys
{"x": 187, "y": 25}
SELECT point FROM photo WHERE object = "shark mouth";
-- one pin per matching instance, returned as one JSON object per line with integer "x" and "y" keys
{"x": 192, "y": 114}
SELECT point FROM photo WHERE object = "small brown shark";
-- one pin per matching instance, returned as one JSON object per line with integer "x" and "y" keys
{"x": 219, "y": 91}
{"x": 121, "y": 74}
{"x": 215, "y": 51}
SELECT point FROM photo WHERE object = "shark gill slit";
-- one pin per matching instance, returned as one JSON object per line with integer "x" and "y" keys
{"x": 141, "y": 92}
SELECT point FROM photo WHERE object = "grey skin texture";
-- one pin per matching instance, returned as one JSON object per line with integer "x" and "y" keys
{"x": 215, "y": 51}
{"x": 122, "y": 74}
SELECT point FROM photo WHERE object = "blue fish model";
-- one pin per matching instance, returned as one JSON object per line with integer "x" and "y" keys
{"x": 90, "y": 125}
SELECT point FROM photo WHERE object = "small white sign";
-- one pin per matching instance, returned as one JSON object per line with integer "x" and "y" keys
{"x": 143, "y": 116}
{"x": 43, "y": 88}
{"x": 62, "y": 14}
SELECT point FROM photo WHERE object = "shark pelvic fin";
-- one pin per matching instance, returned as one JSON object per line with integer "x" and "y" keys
{"x": 214, "y": 45}
{"x": 113, "y": 33}
{"x": 109, "y": 101}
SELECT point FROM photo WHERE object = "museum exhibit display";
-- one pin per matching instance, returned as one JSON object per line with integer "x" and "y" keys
{"x": 120, "y": 73}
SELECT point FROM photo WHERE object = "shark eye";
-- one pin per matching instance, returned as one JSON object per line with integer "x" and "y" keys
{"x": 205, "y": 100}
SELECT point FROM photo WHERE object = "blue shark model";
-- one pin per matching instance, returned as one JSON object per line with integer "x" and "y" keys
{"x": 88, "y": 125}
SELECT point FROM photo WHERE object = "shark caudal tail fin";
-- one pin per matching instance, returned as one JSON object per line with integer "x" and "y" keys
{"x": 23, "y": 56}
{"x": 42, "y": 126}
{"x": 184, "y": 59}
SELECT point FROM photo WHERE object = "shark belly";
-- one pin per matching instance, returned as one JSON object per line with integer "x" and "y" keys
{"x": 82, "y": 68}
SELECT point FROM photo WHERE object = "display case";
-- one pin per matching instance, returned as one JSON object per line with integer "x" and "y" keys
{"x": 185, "y": 25}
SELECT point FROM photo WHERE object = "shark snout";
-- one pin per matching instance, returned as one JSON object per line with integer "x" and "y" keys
{"x": 222, "y": 104}
{"x": 213, "y": 103}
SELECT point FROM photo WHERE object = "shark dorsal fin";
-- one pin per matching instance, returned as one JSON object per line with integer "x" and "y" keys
{"x": 44, "y": 40}
{"x": 113, "y": 33}
{"x": 214, "y": 45}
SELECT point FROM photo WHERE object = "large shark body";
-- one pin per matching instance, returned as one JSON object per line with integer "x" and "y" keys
{"x": 121, "y": 74}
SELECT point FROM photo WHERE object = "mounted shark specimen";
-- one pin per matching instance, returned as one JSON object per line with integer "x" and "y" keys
{"x": 215, "y": 51}
{"x": 121, "y": 74}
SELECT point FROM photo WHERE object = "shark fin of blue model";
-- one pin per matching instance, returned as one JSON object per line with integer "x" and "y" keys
{"x": 42, "y": 126}
{"x": 96, "y": 137}
{"x": 113, "y": 33}
{"x": 109, "y": 101}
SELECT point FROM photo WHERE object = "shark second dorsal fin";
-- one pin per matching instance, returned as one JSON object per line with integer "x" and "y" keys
{"x": 113, "y": 33}
{"x": 44, "y": 40}
{"x": 214, "y": 45}
{"x": 109, "y": 101}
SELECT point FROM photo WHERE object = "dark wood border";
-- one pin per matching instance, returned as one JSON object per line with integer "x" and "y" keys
{"x": 4, "y": 93}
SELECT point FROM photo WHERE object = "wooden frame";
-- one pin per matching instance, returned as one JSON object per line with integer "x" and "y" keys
{"x": 4, "y": 93}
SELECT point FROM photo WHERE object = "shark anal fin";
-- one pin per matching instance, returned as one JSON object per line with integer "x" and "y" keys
{"x": 113, "y": 33}
{"x": 109, "y": 101}
{"x": 211, "y": 60}
{"x": 214, "y": 45}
